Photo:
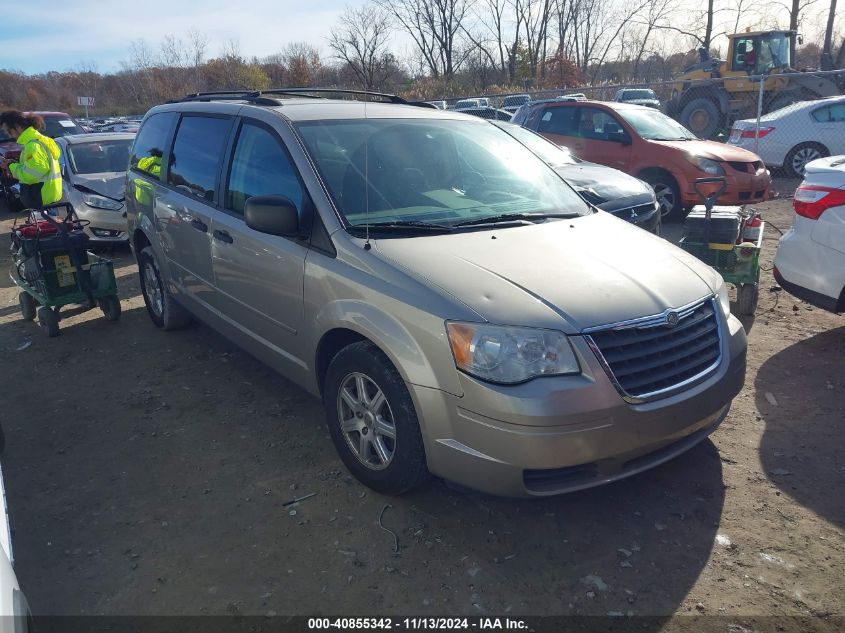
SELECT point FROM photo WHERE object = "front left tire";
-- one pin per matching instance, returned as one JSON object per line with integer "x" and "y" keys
{"x": 372, "y": 420}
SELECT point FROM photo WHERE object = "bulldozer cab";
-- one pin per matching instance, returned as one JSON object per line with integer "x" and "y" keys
{"x": 759, "y": 53}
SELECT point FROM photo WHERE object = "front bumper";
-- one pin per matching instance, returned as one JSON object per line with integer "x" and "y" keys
{"x": 106, "y": 226}
{"x": 742, "y": 188}
{"x": 560, "y": 434}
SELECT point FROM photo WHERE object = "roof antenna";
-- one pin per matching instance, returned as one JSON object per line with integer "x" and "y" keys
{"x": 367, "y": 245}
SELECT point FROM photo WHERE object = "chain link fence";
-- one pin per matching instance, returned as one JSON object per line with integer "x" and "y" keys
{"x": 787, "y": 119}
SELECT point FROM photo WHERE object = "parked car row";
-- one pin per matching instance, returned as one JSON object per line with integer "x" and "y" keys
{"x": 647, "y": 144}
{"x": 462, "y": 309}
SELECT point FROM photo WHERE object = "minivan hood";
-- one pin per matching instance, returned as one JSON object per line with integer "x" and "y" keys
{"x": 589, "y": 271}
{"x": 110, "y": 184}
{"x": 712, "y": 150}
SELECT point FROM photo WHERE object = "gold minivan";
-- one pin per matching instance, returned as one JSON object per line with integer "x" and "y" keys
{"x": 458, "y": 308}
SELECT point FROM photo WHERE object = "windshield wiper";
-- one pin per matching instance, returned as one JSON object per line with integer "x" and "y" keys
{"x": 507, "y": 218}
{"x": 403, "y": 225}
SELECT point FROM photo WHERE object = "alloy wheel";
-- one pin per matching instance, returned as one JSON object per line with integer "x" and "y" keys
{"x": 152, "y": 288}
{"x": 366, "y": 421}
{"x": 804, "y": 156}
{"x": 665, "y": 198}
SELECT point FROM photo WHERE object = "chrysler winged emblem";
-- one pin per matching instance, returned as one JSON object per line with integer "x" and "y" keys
{"x": 672, "y": 319}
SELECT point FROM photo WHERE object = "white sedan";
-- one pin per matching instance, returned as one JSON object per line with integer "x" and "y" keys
{"x": 795, "y": 135}
{"x": 810, "y": 260}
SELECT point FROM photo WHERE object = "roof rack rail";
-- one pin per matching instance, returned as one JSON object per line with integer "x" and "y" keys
{"x": 304, "y": 91}
{"x": 264, "y": 97}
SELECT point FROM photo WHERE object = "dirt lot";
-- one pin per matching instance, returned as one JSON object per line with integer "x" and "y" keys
{"x": 147, "y": 473}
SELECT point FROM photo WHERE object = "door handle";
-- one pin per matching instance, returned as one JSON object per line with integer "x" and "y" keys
{"x": 223, "y": 236}
{"x": 199, "y": 225}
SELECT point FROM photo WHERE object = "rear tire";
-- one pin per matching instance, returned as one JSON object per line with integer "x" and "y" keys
{"x": 28, "y": 306}
{"x": 164, "y": 312}
{"x": 798, "y": 157}
{"x": 49, "y": 321}
{"x": 702, "y": 117}
{"x": 110, "y": 307}
{"x": 372, "y": 420}
{"x": 747, "y": 297}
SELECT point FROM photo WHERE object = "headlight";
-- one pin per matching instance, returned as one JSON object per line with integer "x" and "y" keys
{"x": 724, "y": 300}
{"x": 708, "y": 166}
{"x": 101, "y": 202}
{"x": 510, "y": 355}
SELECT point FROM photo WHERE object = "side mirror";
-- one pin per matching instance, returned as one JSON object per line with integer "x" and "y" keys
{"x": 275, "y": 215}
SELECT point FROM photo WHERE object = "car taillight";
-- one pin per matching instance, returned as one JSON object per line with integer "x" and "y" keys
{"x": 811, "y": 201}
{"x": 751, "y": 133}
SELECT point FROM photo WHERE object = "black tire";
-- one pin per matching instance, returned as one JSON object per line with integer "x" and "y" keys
{"x": 406, "y": 467}
{"x": 668, "y": 194}
{"x": 747, "y": 297}
{"x": 49, "y": 321}
{"x": 110, "y": 307}
{"x": 28, "y": 306}
{"x": 163, "y": 309}
{"x": 798, "y": 157}
{"x": 702, "y": 117}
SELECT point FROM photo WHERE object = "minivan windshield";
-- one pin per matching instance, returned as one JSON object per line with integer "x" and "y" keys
{"x": 655, "y": 126}
{"x": 438, "y": 172}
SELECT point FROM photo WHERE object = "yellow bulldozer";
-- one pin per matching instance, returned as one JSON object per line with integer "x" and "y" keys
{"x": 711, "y": 94}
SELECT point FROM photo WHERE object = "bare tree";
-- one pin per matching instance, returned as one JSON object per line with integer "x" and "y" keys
{"x": 701, "y": 22}
{"x": 436, "y": 27}
{"x": 796, "y": 8}
{"x": 360, "y": 40}
{"x": 827, "y": 53}
{"x": 535, "y": 16}
{"x": 197, "y": 45}
{"x": 655, "y": 13}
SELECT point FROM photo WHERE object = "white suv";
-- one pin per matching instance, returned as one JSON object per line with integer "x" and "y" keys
{"x": 810, "y": 260}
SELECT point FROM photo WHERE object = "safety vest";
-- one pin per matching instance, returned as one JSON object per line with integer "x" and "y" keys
{"x": 39, "y": 163}
{"x": 151, "y": 165}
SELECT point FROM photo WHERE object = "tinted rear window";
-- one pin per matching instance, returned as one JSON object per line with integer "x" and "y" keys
{"x": 60, "y": 126}
{"x": 559, "y": 120}
{"x": 195, "y": 158}
{"x": 150, "y": 143}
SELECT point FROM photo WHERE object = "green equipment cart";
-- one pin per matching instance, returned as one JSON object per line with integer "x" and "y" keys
{"x": 739, "y": 264}
{"x": 54, "y": 268}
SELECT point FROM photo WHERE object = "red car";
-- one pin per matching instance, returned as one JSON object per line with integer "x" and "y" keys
{"x": 647, "y": 144}
{"x": 55, "y": 124}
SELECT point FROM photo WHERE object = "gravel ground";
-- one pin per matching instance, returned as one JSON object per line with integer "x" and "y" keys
{"x": 151, "y": 473}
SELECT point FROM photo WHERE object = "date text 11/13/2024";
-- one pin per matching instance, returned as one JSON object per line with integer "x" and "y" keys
{"x": 417, "y": 624}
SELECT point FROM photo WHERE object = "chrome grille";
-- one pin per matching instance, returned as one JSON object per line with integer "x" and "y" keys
{"x": 647, "y": 358}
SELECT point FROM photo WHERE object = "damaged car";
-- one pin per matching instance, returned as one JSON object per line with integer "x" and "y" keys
{"x": 94, "y": 172}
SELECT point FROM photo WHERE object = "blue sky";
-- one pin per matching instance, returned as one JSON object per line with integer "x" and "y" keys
{"x": 61, "y": 34}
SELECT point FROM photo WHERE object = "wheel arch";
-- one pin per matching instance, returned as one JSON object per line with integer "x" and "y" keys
{"x": 656, "y": 170}
{"x": 427, "y": 363}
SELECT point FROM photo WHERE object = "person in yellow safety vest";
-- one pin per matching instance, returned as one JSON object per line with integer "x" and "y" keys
{"x": 37, "y": 170}
{"x": 151, "y": 164}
